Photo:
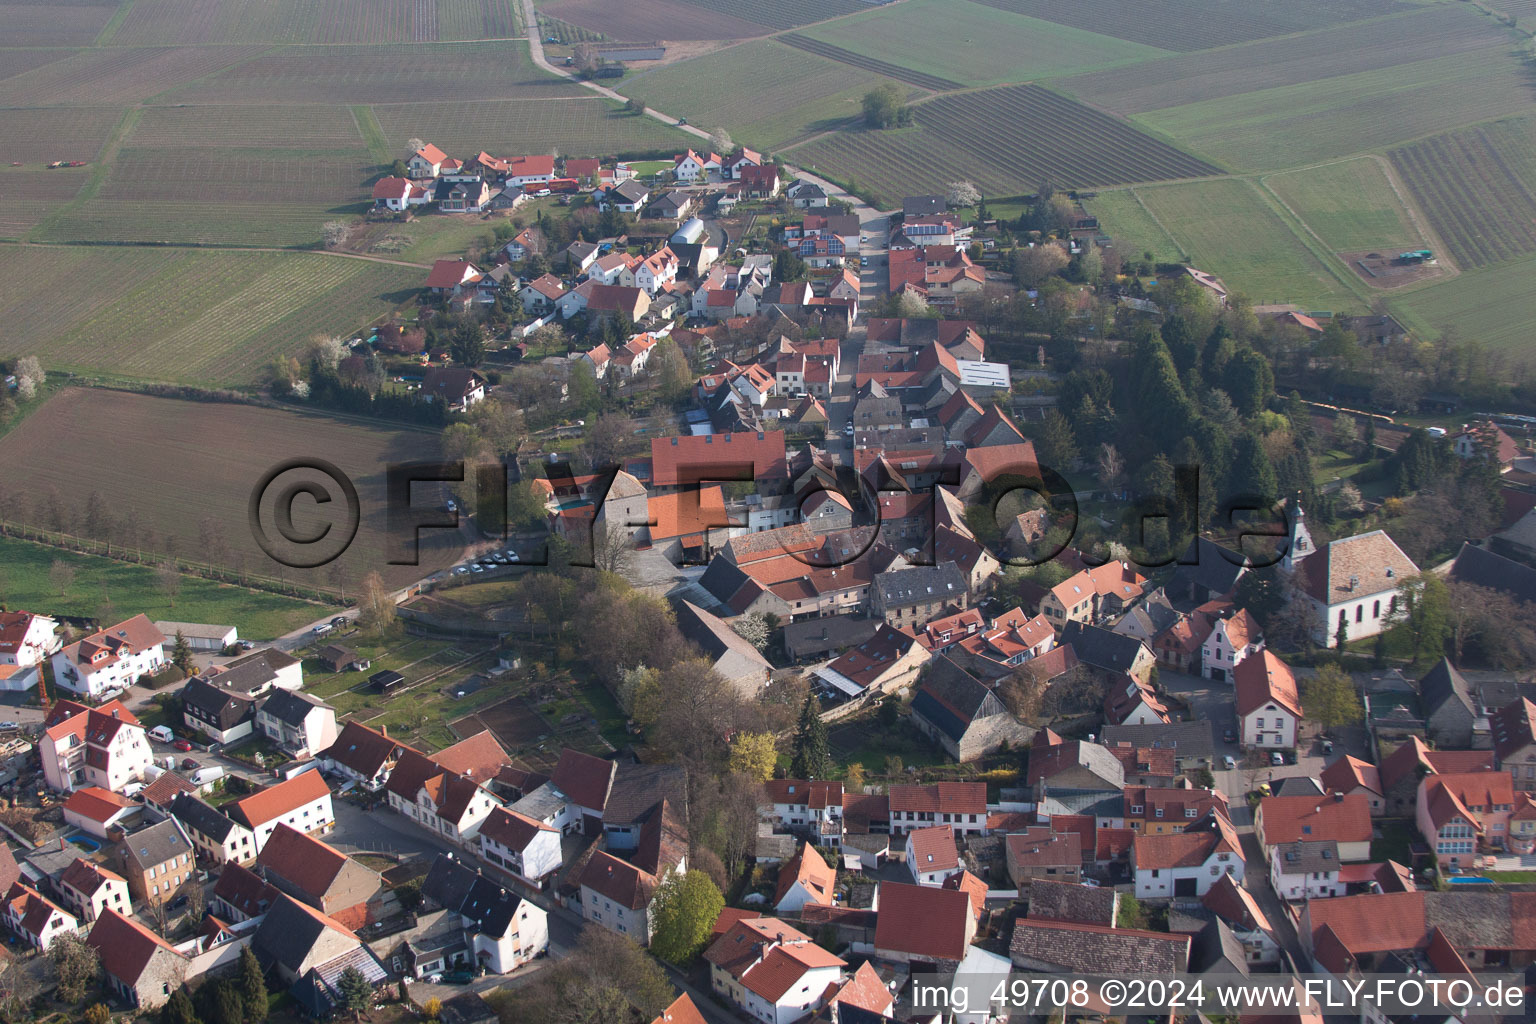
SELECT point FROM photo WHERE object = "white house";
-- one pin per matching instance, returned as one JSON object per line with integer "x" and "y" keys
{"x": 657, "y": 269}
{"x": 771, "y": 971}
{"x": 303, "y": 803}
{"x": 299, "y": 724}
{"x": 1306, "y": 870}
{"x": 103, "y": 746}
{"x": 1351, "y": 584}
{"x": 502, "y": 930}
{"x": 88, "y": 889}
{"x": 1232, "y": 639}
{"x": 617, "y": 893}
{"x": 26, "y": 639}
{"x": 1268, "y": 706}
{"x": 520, "y": 845}
{"x": 446, "y": 802}
{"x": 1186, "y": 864}
{"x": 800, "y": 805}
{"x": 692, "y": 166}
{"x": 35, "y": 918}
{"x": 931, "y": 855}
{"x": 113, "y": 659}
{"x": 806, "y": 878}
{"x": 426, "y": 162}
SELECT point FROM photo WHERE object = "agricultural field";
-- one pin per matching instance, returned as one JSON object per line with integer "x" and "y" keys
{"x": 381, "y": 74}
{"x": 15, "y": 62}
{"x": 1477, "y": 186}
{"x": 799, "y": 92}
{"x": 1226, "y": 226}
{"x": 1495, "y": 306}
{"x": 247, "y": 127}
{"x": 153, "y": 457}
{"x": 26, "y": 575}
{"x": 31, "y": 195}
{"x": 1315, "y": 121}
{"x": 116, "y": 76}
{"x": 1191, "y": 78}
{"x": 1350, "y": 205}
{"x": 43, "y": 136}
{"x": 51, "y": 23}
{"x": 564, "y": 32}
{"x": 203, "y": 22}
{"x": 975, "y": 44}
{"x": 1127, "y": 221}
{"x": 1186, "y": 25}
{"x": 579, "y": 127}
{"x": 653, "y": 19}
{"x": 1006, "y": 140}
{"x": 782, "y": 13}
{"x": 205, "y": 316}
{"x": 902, "y": 74}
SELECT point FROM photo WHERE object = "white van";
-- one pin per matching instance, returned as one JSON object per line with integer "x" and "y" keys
{"x": 207, "y": 776}
{"x": 162, "y": 734}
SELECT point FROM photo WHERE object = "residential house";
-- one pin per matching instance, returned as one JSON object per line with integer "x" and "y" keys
{"x": 1109, "y": 656}
{"x": 1093, "y": 594}
{"x": 158, "y": 795}
{"x": 805, "y": 878}
{"x": 674, "y": 205}
{"x": 734, "y": 164}
{"x": 221, "y": 839}
{"x": 1155, "y": 811}
{"x": 1131, "y": 702}
{"x": 111, "y": 659}
{"x": 540, "y": 295}
{"x": 302, "y": 802}
{"x": 1487, "y": 441}
{"x": 771, "y": 971}
{"x": 524, "y": 847}
{"x": 1514, "y": 742}
{"x": 584, "y": 783}
{"x": 1040, "y": 852}
{"x": 1288, "y": 819}
{"x": 760, "y": 182}
{"x": 1375, "y": 931}
{"x": 399, "y": 194}
{"x": 1075, "y": 765}
{"x": 530, "y": 170}
{"x": 306, "y": 952}
{"x": 1233, "y": 637}
{"x": 617, "y": 893}
{"x": 1185, "y": 864}
{"x": 956, "y": 711}
{"x": 736, "y": 660}
{"x": 920, "y": 924}
{"x": 319, "y": 875}
{"x": 692, "y": 166}
{"x": 99, "y": 811}
{"x": 1064, "y": 901}
{"x": 469, "y": 919}
{"x": 1403, "y": 769}
{"x": 1450, "y": 712}
{"x": 26, "y": 640}
{"x": 426, "y": 162}
{"x": 35, "y": 918}
{"x": 87, "y": 889}
{"x": 1268, "y": 705}
{"x": 450, "y": 277}
{"x": 908, "y": 598}
{"x": 605, "y": 300}
{"x": 628, "y": 196}
{"x": 457, "y": 387}
{"x": 362, "y": 755}
{"x": 461, "y": 195}
{"x": 104, "y": 746}
{"x": 807, "y": 195}
{"x": 931, "y": 855}
{"x": 1463, "y": 814}
{"x": 300, "y": 725}
{"x": 1307, "y": 870}
{"x": 960, "y": 805}
{"x": 156, "y": 861}
{"x": 1352, "y": 585}
{"x": 221, "y": 715}
{"x": 447, "y": 802}
{"x": 812, "y": 807}
{"x": 1350, "y": 775}
{"x": 886, "y": 662}
{"x": 530, "y": 241}
{"x": 241, "y": 895}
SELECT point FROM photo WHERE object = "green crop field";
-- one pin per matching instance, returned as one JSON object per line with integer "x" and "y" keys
{"x": 584, "y": 127}
{"x": 1266, "y": 64}
{"x": 206, "y": 316}
{"x": 173, "y": 464}
{"x": 933, "y": 83}
{"x": 1299, "y": 124}
{"x": 381, "y": 74}
{"x": 1226, "y": 226}
{"x": 1350, "y": 205}
{"x": 1122, "y": 216}
{"x": 975, "y": 44}
{"x": 1006, "y": 140}
{"x": 1197, "y": 24}
{"x": 1478, "y": 188}
{"x": 1495, "y": 306}
{"x": 26, "y": 576}
{"x": 777, "y": 94}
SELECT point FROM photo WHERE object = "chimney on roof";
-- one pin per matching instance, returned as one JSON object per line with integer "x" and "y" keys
{"x": 383, "y": 730}
{"x": 1338, "y": 797}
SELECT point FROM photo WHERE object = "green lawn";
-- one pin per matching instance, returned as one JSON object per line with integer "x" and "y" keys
{"x": 1350, "y": 205}
{"x": 1228, "y": 228}
{"x": 1496, "y": 305}
{"x": 976, "y": 44}
{"x": 1134, "y": 230}
{"x": 1298, "y": 124}
{"x": 26, "y": 582}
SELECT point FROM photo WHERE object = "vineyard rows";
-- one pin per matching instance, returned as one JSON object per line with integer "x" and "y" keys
{"x": 116, "y": 75}
{"x": 42, "y": 136}
{"x": 478, "y": 19}
{"x": 783, "y": 13}
{"x": 879, "y": 67}
{"x": 582, "y": 127}
{"x": 246, "y": 127}
{"x": 55, "y": 25}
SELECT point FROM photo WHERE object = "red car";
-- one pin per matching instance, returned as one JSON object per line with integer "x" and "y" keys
{"x": 188, "y": 764}
{"x": 182, "y": 745}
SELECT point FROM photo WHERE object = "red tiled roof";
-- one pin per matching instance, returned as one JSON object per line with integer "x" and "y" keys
{"x": 96, "y": 803}
{"x": 682, "y": 1010}
{"x": 124, "y": 945}
{"x": 617, "y": 880}
{"x": 815, "y": 794}
{"x": 511, "y": 829}
{"x": 478, "y": 757}
{"x": 451, "y": 273}
{"x": 923, "y": 922}
{"x": 584, "y": 778}
{"x": 682, "y": 460}
{"x": 301, "y": 860}
{"x": 941, "y": 798}
{"x": 933, "y": 849}
{"x": 811, "y": 870}
{"x": 1261, "y": 678}
{"x": 431, "y": 154}
{"x": 971, "y": 886}
{"x": 1290, "y": 819}
{"x": 1349, "y": 773}
{"x": 1414, "y": 753}
{"x": 277, "y": 800}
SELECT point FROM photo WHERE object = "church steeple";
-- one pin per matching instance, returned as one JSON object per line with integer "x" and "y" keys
{"x": 1299, "y": 541}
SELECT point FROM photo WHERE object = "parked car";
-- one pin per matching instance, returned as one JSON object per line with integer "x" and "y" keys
{"x": 182, "y": 745}
{"x": 322, "y": 629}
{"x": 189, "y": 764}
{"x": 1229, "y": 762}
{"x": 1277, "y": 758}
{"x": 460, "y": 570}
{"x": 1230, "y": 736}
{"x": 339, "y": 622}
{"x": 163, "y": 734}
{"x": 247, "y": 645}
{"x": 9, "y": 725}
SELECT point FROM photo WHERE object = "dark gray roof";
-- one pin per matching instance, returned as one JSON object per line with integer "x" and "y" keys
{"x": 201, "y": 817}
{"x": 287, "y": 934}
{"x": 1153, "y": 615}
{"x": 1102, "y": 648}
{"x": 1214, "y": 949}
{"x": 1441, "y": 685}
{"x": 638, "y": 788}
{"x": 630, "y": 190}
{"x": 807, "y": 190}
{"x": 1306, "y": 857}
{"x": 1066, "y": 901}
{"x": 291, "y": 708}
{"x": 949, "y": 697}
{"x": 1298, "y": 785}
{"x": 455, "y": 886}
{"x": 1484, "y": 568}
{"x": 921, "y": 584}
{"x": 214, "y": 704}
{"x": 1187, "y": 739}
{"x": 1209, "y": 565}
{"x": 922, "y": 206}
{"x": 833, "y": 633}
{"x": 1098, "y": 802}
{"x": 255, "y": 671}
{"x": 157, "y": 844}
